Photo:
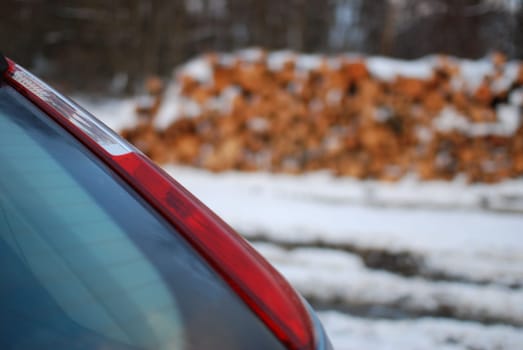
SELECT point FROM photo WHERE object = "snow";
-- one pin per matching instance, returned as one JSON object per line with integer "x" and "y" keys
{"x": 449, "y": 119}
{"x": 277, "y": 59}
{"x": 118, "y": 114}
{"x": 508, "y": 119}
{"x": 473, "y": 72}
{"x": 381, "y": 67}
{"x": 507, "y": 124}
{"x": 349, "y": 333}
{"x": 504, "y": 81}
{"x": 323, "y": 189}
{"x": 170, "y": 109}
{"x": 199, "y": 69}
{"x": 174, "y": 107}
{"x": 516, "y": 97}
{"x": 437, "y": 220}
{"x": 469, "y": 266}
{"x": 388, "y": 69}
{"x": 308, "y": 61}
{"x": 178, "y": 106}
{"x": 224, "y": 101}
{"x": 330, "y": 275}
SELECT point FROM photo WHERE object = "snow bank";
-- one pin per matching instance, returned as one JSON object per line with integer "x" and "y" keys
{"x": 349, "y": 333}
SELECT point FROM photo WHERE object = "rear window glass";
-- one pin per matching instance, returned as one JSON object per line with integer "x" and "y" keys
{"x": 86, "y": 264}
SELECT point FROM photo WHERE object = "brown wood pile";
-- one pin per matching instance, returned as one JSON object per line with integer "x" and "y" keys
{"x": 338, "y": 118}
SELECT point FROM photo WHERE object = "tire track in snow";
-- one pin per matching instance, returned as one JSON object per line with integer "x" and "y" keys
{"x": 340, "y": 280}
{"x": 415, "y": 264}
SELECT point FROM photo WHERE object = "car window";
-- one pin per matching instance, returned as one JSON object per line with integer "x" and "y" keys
{"x": 87, "y": 264}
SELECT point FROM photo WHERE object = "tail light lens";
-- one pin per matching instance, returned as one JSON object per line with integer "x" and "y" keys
{"x": 261, "y": 287}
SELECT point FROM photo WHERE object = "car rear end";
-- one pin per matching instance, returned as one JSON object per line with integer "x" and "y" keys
{"x": 117, "y": 253}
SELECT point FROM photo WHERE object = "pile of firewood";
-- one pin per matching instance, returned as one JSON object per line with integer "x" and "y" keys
{"x": 338, "y": 117}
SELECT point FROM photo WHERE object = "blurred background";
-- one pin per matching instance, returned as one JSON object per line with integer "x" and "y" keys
{"x": 371, "y": 150}
{"x": 125, "y": 40}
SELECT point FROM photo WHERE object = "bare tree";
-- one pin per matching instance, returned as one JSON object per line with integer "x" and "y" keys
{"x": 92, "y": 41}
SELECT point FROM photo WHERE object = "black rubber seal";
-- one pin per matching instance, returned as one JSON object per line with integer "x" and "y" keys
{"x": 3, "y": 64}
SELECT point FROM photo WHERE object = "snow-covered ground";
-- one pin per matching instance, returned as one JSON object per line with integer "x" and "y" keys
{"x": 348, "y": 332}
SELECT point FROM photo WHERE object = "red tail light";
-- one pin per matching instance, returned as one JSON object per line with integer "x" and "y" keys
{"x": 262, "y": 288}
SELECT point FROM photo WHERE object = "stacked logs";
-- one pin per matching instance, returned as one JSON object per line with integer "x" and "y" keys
{"x": 336, "y": 117}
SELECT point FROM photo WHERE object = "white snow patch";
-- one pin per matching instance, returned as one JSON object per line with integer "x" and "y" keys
{"x": 516, "y": 97}
{"x": 250, "y": 54}
{"x": 170, "y": 109}
{"x": 349, "y": 333}
{"x": 224, "y": 102}
{"x": 450, "y": 119}
{"x": 277, "y": 59}
{"x": 173, "y": 107}
{"x": 509, "y": 119}
{"x": 473, "y": 72}
{"x": 308, "y": 61}
{"x": 258, "y": 124}
{"x": 507, "y": 78}
{"x": 199, "y": 69}
{"x": 389, "y": 69}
